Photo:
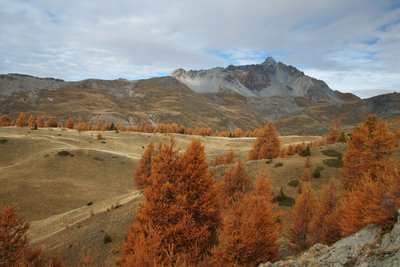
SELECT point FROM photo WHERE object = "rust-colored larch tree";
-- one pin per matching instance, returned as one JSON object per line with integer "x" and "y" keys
{"x": 251, "y": 229}
{"x": 228, "y": 158}
{"x": 180, "y": 213}
{"x": 5, "y": 120}
{"x": 324, "y": 226}
{"x": 238, "y": 132}
{"x": 21, "y": 120}
{"x": 81, "y": 127}
{"x": 31, "y": 121}
{"x": 267, "y": 145}
{"x": 299, "y": 233}
{"x": 99, "y": 126}
{"x": 69, "y": 123}
{"x": 51, "y": 122}
{"x": 142, "y": 174}
{"x": 372, "y": 201}
{"x": 39, "y": 121}
{"x": 334, "y": 132}
{"x": 14, "y": 245}
{"x": 236, "y": 182}
{"x": 199, "y": 189}
{"x": 370, "y": 148}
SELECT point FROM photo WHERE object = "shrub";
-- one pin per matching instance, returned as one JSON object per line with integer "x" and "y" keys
{"x": 332, "y": 153}
{"x": 294, "y": 183}
{"x": 317, "y": 172}
{"x": 284, "y": 200}
{"x": 278, "y": 164}
{"x": 64, "y": 153}
{"x": 107, "y": 239}
{"x": 342, "y": 138}
{"x": 306, "y": 152}
{"x": 334, "y": 163}
{"x": 3, "y": 140}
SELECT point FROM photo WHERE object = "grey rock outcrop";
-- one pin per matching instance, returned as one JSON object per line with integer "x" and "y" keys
{"x": 369, "y": 247}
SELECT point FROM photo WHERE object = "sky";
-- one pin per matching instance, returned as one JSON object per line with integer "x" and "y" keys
{"x": 353, "y": 45}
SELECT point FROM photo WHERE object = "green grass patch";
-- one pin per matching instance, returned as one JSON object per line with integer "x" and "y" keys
{"x": 332, "y": 153}
{"x": 334, "y": 163}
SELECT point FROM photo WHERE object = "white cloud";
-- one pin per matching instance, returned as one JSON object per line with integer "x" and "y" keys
{"x": 345, "y": 42}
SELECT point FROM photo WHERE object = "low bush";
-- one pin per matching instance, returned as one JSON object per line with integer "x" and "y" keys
{"x": 332, "y": 153}
{"x": 284, "y": 200}
{"x": 317, "y": 172}
{"x": 278, "y": 164}
{"x": 294, "y": 183}
{"x": 64, "y": 153}
{"x": 306, "y": 152}
{"x": 334, "y": 163}
{"x": 3, "y": 140}
{"x": 107, "y": 239}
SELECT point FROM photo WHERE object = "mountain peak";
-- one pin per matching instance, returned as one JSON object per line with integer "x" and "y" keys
{"x": 269, "y": 61}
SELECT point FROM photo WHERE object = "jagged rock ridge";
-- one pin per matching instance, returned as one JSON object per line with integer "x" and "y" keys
{"x": 262, "y": 80}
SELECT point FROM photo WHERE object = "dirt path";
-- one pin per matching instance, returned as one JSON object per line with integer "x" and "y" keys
{"x": 43, "y": 229}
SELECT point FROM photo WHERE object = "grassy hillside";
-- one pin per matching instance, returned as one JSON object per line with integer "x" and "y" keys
{"x": 75, "y": 189}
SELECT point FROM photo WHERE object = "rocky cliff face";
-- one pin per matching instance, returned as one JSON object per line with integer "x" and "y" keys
{"x": 369, "y": 247}
{"x": 264, "y": 80}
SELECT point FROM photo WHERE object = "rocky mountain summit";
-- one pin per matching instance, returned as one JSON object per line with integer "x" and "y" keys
{"x": 369, "y": 247}
{"x": 219, "y": 98}
{"x": 267, "y": 79}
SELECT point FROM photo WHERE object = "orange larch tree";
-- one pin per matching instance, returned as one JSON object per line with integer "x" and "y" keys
{"x": 142, "y": 174}
{"x": 372, "y": 201}
{"x": 228, "y": 158}
{"x": 51, "y": 122}
{"x": 180, "y": 213}
{"x": 81, "y": 127}
{"x": 324, "y": 226}
{"x": 334, "y": 132}
{"x": 200, "y": 199}
{"x": 370, "y": 148}
{"x": 5, "y": 120}
{"x": 236, "y": 182}
{"x": 69, "y": 123}
{"x": 251, "y": 229}
{"x": 14, "y": 245}
{"x": 267, "y": 144}
{"x": 31, "y": 121}
{"x": 39, "y": 121}
{"x": 238, "y": 132}
{"x": 299, "y": 233}
{"x": 21, "y": 120}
